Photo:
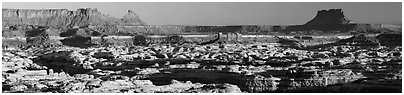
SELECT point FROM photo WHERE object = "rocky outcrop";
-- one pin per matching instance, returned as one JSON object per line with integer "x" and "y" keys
{"x": 259, "y": 83}
{"x": 216, "y": 88}
{"x": 321, "y": 78}
{"x": 85, "y": 32}
{"x": 78, "y": 41}
{"x": 41, "y": 37}
{"x": 79, "y": 37}
{"x": 131, "y": 19}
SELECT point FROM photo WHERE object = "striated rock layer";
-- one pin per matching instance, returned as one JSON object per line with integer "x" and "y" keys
{"x": 63, "y": 18}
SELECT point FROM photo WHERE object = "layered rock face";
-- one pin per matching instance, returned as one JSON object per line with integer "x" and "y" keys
{"x": 63, "y": 18}
{"x": 84, "y": 22}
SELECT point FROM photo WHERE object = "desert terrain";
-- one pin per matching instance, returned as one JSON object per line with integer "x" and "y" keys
{"x": 86, "y": 51}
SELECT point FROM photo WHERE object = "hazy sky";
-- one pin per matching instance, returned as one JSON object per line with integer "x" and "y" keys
{"x": 229, "y": 13}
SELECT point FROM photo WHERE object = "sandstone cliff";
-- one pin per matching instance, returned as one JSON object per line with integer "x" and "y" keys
{"x": 63, "y": 18}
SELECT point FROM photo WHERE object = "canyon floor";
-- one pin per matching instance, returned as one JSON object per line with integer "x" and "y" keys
{"x": 211, "y": 68}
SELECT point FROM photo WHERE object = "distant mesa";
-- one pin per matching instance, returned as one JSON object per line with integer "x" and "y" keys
{"x": 329, "y": 17}
{"x": 326, "y": 20}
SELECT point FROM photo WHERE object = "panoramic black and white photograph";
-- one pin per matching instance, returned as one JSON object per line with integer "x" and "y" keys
{"x": 201, "y": 47}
